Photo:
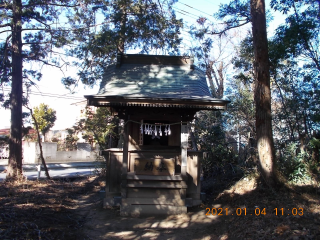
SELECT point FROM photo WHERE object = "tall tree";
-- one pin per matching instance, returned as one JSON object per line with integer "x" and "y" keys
{"x": 30, "y": 31}
{"x": 262, "y": 93}
{"x": 15, "y": 143}
{"x": 238, "y": 13}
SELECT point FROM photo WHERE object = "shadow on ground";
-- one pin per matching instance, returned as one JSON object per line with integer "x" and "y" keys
{"x": 72, "y": 209}
{"x": 247, "y": 210}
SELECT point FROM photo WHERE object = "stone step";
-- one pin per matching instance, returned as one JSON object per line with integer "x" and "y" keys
{"x": 153, "y": 201}
{"x": 170, "y": 193}
{"x": 155, "y": 185}
{"x": 133, "y": 176}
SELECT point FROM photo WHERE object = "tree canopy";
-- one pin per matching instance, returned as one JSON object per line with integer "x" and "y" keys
{"x": 144, "y": 26}
{"x": 294, "y": 77}
{"x": 45, "y": 117}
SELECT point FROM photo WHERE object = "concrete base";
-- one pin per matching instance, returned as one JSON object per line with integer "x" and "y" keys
{"x": 196, "y": 202}
{"x": 151, "y": 210}
{"x": 203, "y": 196}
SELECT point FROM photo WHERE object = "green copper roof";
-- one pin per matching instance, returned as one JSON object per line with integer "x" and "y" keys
{"x": 156, "y": 77}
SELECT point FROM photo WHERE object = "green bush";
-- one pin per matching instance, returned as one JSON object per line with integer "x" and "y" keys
{"x": 295, "y": 166}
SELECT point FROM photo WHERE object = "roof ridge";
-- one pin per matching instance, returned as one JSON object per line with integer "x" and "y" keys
{"x": 153, "y": 59}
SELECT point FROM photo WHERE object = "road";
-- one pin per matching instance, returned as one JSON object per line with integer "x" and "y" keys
{"x": 56, "y": 170}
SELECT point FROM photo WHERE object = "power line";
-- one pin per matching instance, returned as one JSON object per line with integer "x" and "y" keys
{"x": 195, "y": 9}
{"x": 189, "y": 14}
{"x": 52, "y": 95}
{"x": 183, "y": 12}
{"x": 58, "y": 96}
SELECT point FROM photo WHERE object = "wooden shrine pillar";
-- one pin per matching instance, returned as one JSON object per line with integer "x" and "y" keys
{"x": 184, "y": 161}
{"x": 125, "y": 162}
{"x": 184, "y": 147}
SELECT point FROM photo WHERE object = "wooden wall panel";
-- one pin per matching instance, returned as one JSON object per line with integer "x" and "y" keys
{"x": 174, "y": 138}
{"x": 134, "y": 136}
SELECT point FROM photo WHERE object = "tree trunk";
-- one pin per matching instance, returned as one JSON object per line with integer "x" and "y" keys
{"x": 122, "y": 28}
{"x": 15, "y": 142}
{"x": 265, "y": 143}
{"x": 315, "y": 149}
{"x": 217, "y": 92}
{"x": 209, "y": 68}
{"x": 221, "y": 81}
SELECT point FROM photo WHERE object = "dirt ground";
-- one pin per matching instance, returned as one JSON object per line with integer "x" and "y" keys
{"x": 72, "y": 209}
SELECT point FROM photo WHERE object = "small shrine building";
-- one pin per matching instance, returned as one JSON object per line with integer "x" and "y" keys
{"x": 154, "y": 172}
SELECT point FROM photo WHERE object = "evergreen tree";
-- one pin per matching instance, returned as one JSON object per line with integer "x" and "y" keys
{"x": 295, "y": 55}
{"x": 236, "y": 14}
{"x": 299, "y": 36}
{"x": 122, "y": 25}
{"x": 31, "y": 31}
{"x": 262, "y": 92}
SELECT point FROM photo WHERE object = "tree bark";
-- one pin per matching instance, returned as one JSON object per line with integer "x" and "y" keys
{"x": 122, "y": 28}
{"x": 15, "y": 142}
{"x": 315, "y": 150}
{"x": 265, "y": 142}
{"x": 220, "y": 83}
{"x": 217, "y": 92}
{"x": 209, "y": 75}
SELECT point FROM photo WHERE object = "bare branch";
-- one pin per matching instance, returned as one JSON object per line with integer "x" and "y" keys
{"x": 51, "y": 4}
{"x": 52, "y": 65}
{"x": 228, "y": 28}
{"x": 63, "y": 30}
{"x": 5, "y": 25}
{"x": 6, "y": 6}
{"x": 31, "y": 43}
{"x": 47, "y": 25}
{"x": 40, "y": 43}
{"x": 5, "y": 31}
{"x": 35, "y": 29}
{"x": 6, "y": 48}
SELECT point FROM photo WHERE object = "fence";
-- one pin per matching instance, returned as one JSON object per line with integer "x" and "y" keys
{"x": 31, "y": 153}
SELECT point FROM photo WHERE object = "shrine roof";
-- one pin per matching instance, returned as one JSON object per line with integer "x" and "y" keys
{"x": 153, "y": 77}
